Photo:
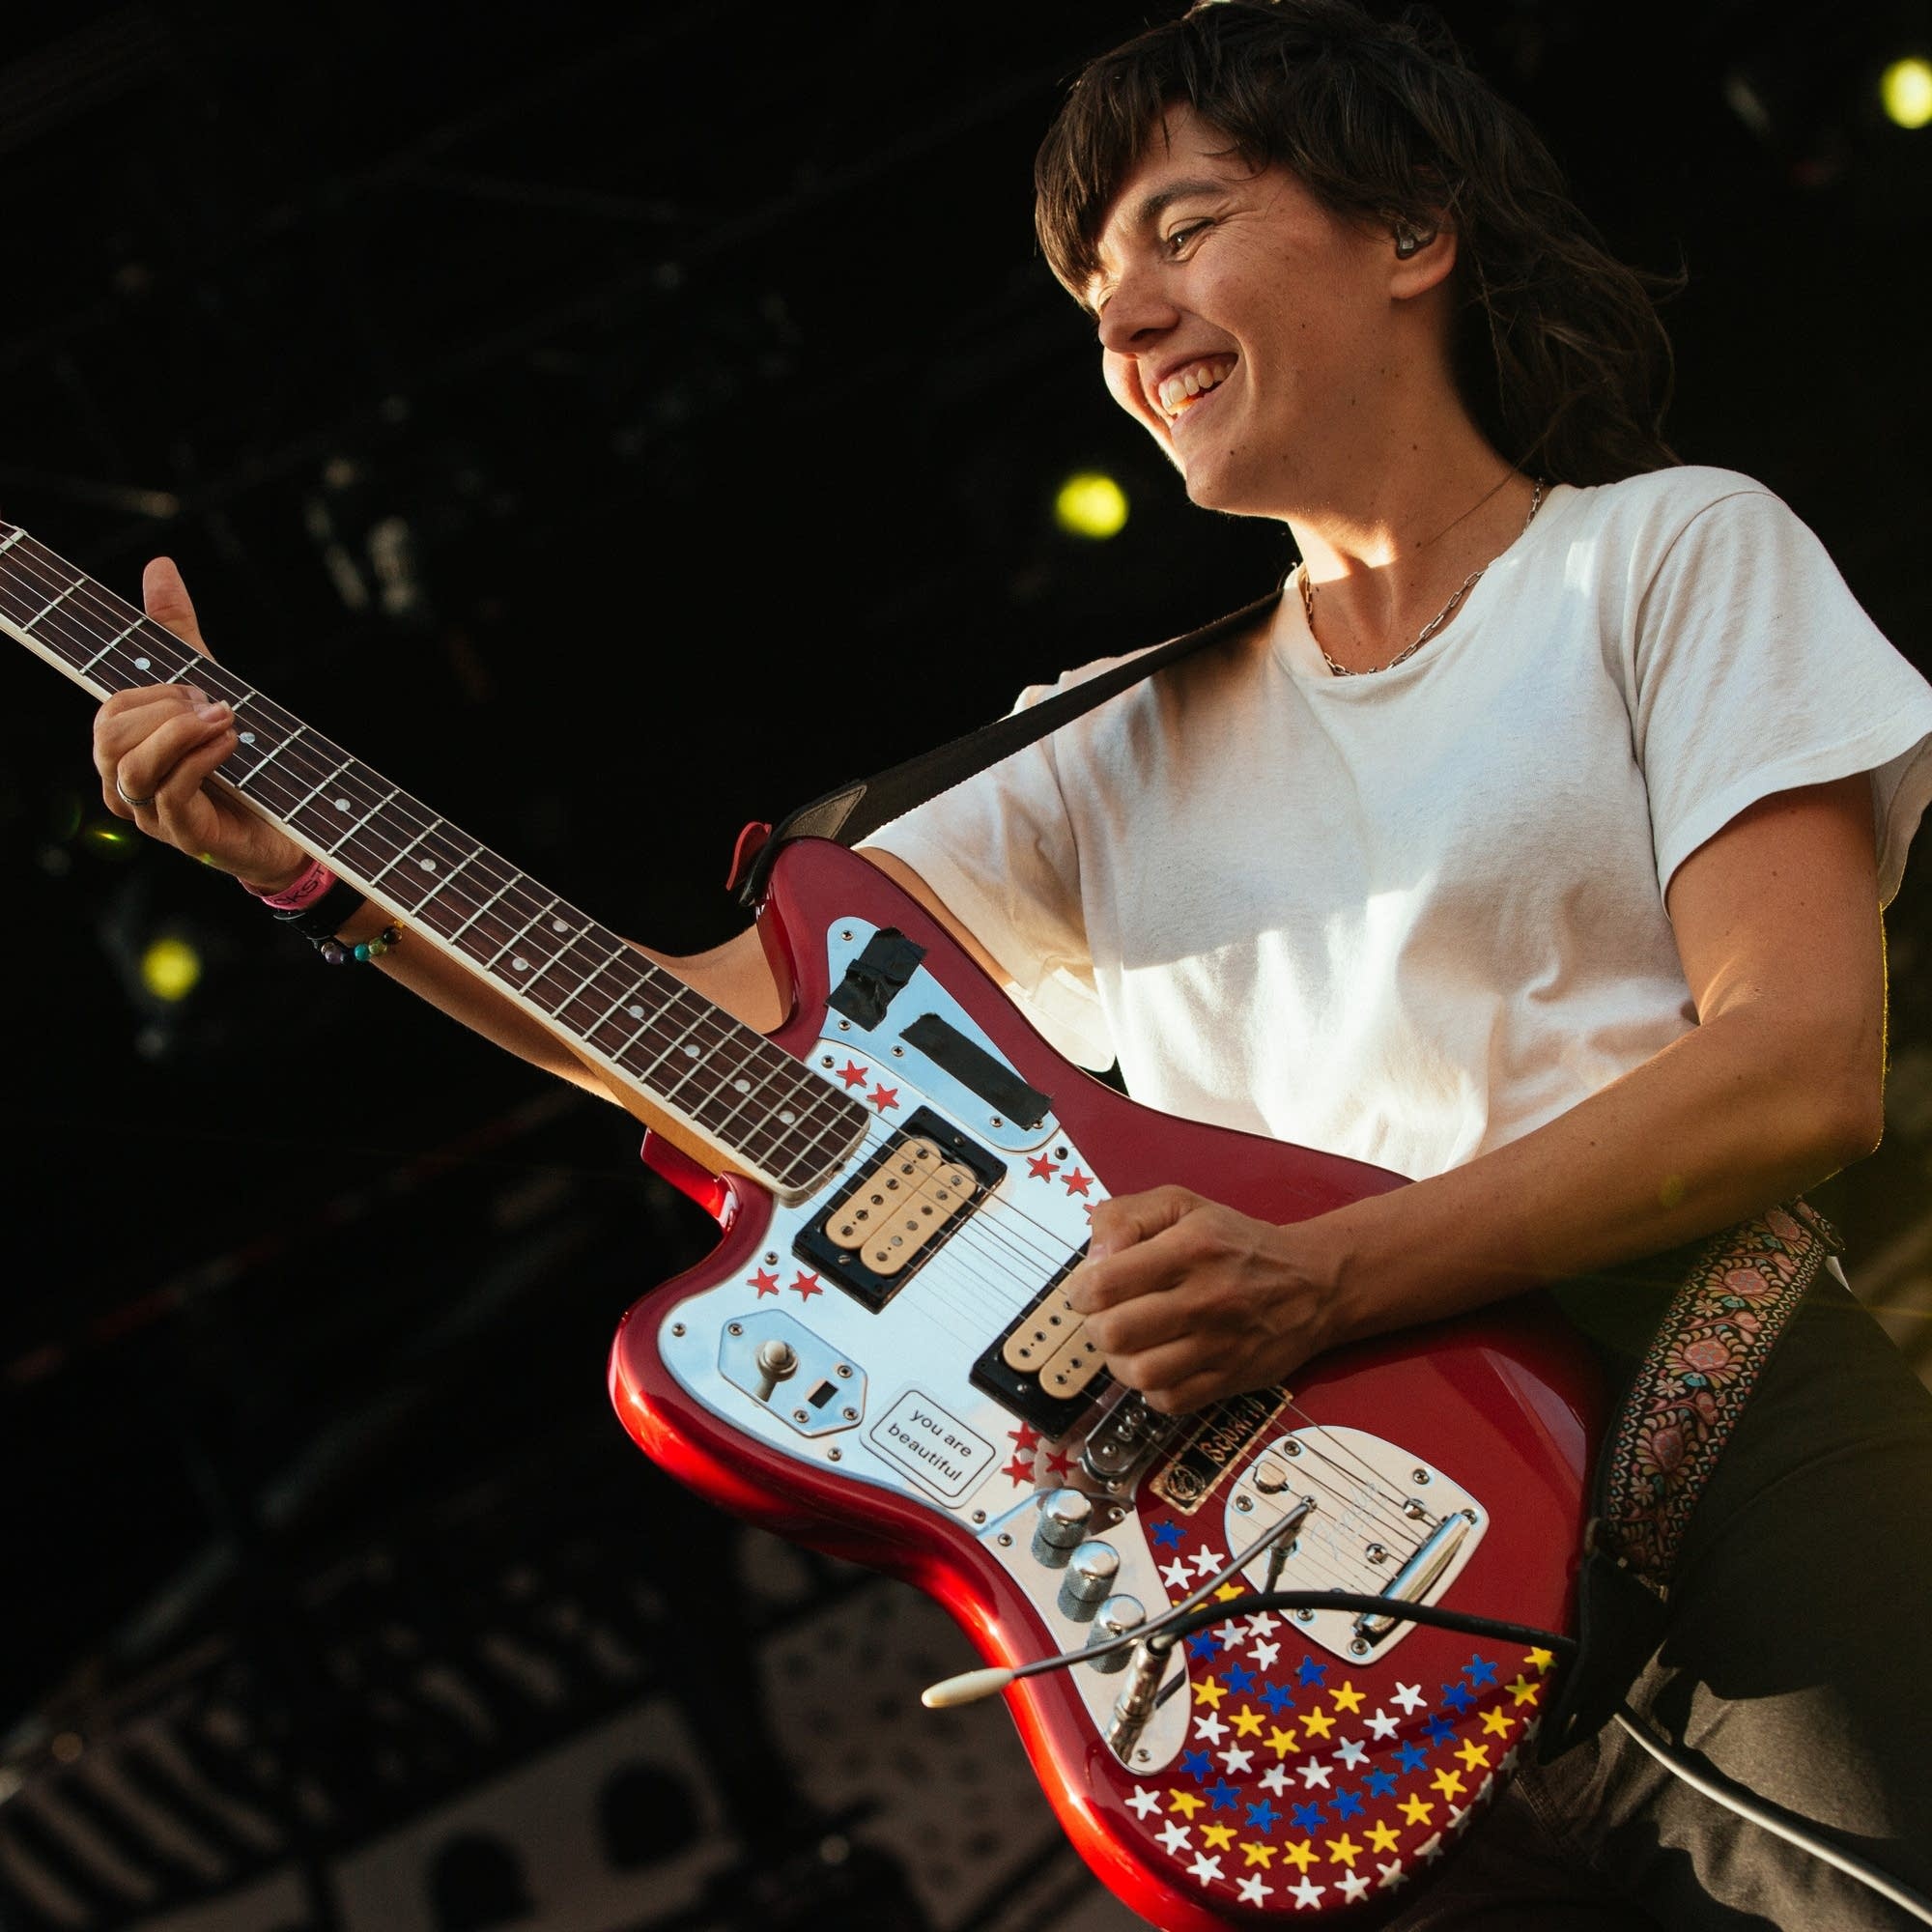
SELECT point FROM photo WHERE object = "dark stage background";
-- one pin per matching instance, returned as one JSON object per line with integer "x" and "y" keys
{"x": 618, "y": 424}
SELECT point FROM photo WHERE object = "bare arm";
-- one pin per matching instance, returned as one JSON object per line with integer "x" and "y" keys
{"x": 162, "y": 743}
{"x": 1778, "y": 1086}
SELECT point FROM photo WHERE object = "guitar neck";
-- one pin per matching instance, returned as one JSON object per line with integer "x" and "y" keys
{"x": 717, "y": 1088}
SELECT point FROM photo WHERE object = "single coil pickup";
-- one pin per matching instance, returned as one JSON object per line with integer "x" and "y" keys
{"x": 900, "y": 1210}
{"x": 1040, "y": 1368}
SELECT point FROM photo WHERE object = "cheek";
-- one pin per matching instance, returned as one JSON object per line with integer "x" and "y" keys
{"x": 1123, "y": 383}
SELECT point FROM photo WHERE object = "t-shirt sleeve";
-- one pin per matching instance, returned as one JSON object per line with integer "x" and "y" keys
{"x": 1754, "y": 671}
{"x": 1000, "y": 850}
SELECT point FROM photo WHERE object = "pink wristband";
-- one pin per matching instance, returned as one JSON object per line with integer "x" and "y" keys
{"x": 310, "y": 884}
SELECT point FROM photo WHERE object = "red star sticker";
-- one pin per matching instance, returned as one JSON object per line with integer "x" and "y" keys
{"x": 855, "y": 1075}
{"x": 885, "y": 1096}
{"x": 1040, "y": 1168}
{"x": 765, "y": 1282}
{"x": 806, "y": 1286}
{"x": 1058, "y": 1464}
{"x": 1018, "y": 1471}
{"x": 1076, "y": 1183}
{"x": 1026, "y": 1436}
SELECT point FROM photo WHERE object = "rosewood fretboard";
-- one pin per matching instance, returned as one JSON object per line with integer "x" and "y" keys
{"x": 766, "y": 1113}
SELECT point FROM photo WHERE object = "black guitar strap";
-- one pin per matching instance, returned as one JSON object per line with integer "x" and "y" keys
{"x": 855, "y": 811}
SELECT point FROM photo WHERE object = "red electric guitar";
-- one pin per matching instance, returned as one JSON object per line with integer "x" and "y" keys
{"x": 878, "y": 1357}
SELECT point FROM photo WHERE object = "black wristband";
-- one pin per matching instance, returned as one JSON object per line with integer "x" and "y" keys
{"x": 322, "y": 919}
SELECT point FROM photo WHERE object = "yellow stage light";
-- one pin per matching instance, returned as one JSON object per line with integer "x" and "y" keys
{"x": 1906, "y": 90}
{"x": 170, "y": 969}
{"x": 1090, "y": 504}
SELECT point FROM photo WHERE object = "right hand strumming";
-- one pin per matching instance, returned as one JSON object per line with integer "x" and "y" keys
{"x": 157, "y": 744}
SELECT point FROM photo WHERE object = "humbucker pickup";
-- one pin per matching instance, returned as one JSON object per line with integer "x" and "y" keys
{"x": 902, "y": 1209}
{"x": 1043, "y": 1368}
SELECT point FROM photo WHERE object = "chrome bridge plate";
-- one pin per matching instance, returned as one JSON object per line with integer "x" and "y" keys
{"x": 1379, "y": 1510}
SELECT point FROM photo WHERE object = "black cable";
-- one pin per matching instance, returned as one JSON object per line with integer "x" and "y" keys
{"x": 1399, "y": 1608}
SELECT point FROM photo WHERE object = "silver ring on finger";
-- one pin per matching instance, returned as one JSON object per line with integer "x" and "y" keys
{"x": 139, "y": 804}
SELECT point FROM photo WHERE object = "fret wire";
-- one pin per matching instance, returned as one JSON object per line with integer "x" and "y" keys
{"x": 264, "y": 762}
{"x": 727, "y": 1082}
{"x": 360, "y": 824}
{"x": 405, "y": 851}
{"x": 109, "y": 645}
{"x": 288, "y": 811}
{"x": 454, "y": 937}
{"x": 11, "y": 542}
{"x": 490, "y": 964}
{"x": 29, "y": 623}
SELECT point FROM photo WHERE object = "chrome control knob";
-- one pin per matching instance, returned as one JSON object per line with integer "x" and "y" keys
{"x": 1116, "y": 1618}
{"x": 1063, "y": 1517}
{"x": 1090, "y": 1579}
{"x": 776, "y": 1360}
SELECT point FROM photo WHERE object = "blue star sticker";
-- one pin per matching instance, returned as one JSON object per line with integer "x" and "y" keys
{"x": 1203, "y": 1643}
{"x": 1240, "y": 1681}
{"x": 1345, "y": 1805}
{"x": 1276, "y": 1699}
{"x": 1197, "y": 1765}
{"x": 1311, "y": 1672}
{"x": 1222, "y": 1795}
{"x": 1408, "y": 1758}
{"x": 1166, "y": 1534}
{"x": 1436, "y": 1731}
{"x": 1457, "y": 1697}
{"x": 1379, "y": 1784}
{"x": 1307, "y": 1817}
{"x": 1481, "y": 1672}
{"x": 1263, "y": 1817}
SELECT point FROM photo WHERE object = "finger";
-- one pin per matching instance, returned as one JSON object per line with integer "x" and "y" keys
{"x": 130, "y": 716}
{"x": 180, "y": 795}
{"x": 1142, "y": 1322}
{"x": 1117, "y": 1268}
{"x": 1168, "y": 1371}
{"x": 148, "y": 767}
{"x": 166, "y": 598}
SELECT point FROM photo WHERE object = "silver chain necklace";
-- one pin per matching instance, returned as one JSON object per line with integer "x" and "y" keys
{"x": 1430, "y": 629}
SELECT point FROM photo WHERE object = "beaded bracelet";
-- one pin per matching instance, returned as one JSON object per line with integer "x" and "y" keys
{"x": 339, "y": 953}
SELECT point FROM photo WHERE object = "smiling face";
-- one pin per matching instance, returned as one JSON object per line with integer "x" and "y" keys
{"x": 1261, "y": 339}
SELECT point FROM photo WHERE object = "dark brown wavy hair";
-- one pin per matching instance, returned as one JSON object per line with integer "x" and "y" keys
{"x": 1558, "y": 349}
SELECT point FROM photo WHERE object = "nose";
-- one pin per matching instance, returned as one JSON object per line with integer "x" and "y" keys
{"x": 1136, "y": 313}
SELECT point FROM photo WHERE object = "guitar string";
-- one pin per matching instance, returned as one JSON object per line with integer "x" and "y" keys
{"x": 321, "y": 776}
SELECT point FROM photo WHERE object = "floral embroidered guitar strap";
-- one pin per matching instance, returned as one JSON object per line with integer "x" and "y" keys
{"x": 1673, "y": 1422}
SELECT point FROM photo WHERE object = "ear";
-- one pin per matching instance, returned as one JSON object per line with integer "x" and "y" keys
{"x": 1422, "y": 256}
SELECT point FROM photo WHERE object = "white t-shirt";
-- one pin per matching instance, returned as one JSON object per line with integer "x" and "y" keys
{"x": 1411, "y": 915}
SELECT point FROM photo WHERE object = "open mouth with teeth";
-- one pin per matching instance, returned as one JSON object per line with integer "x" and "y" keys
{"x": 1181, "y": 391}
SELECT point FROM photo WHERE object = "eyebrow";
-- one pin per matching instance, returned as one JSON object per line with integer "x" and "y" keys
{"x": 1152, "y": 207}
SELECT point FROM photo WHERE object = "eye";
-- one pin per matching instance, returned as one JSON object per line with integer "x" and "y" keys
{"x": 1177, "y": 239}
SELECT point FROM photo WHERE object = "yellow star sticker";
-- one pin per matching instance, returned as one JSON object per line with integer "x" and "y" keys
{"x": 1257, "y": 1853}
{"x": 1185, "y": 1802}
{"x": 1344, "y": 1851}
{"x": 1281, "y": 1742}
{"x": 1524, "y": 1690}
{"x": 1300, "y": 1856}
{"x": 1217, "y": 1837}
{"x": 1382, "y": 1838}
{"x": 1448, "y": 1782}
{"x": 1347, "y": 1699}
{"x": 1318, "y": 1723}
{"x": 1496, "y": 1721}
{"x": 1542, "y": 1658}
{"x": 1247, "y": 1721}
{"x": 1417, "y": 1810}
{"x": 1474, "y": 1756}
{"x": 1210, "y": 1690}
{"x": 1228, "y": 1591}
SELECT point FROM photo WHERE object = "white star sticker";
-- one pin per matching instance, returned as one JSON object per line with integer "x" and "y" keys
{"x": 1484, "y": 1789}
{"x": 1384, "y": 1725}
{"x": 1231, "y": 1634}
{"x": 1509, "y": 1760}
{"x": 1391, "y": 1875}
{"x": 1352, "y": 1751}
{"x": 1207, "y": 1561}
{"x": 1204, "y": 1867}
{"x": 1209, "y": 1725}
{"x": 1266, "y": 1655}
{"x": 1459, "y": 1816}
{"x": 1177, "y": 1577}
{"x": 1306, "y": 1894}
{"x": 1530, "y": 1729}
{"x": 1235, "y": 1757}
{"x": 1253, "y": 1890}
{"x": 1431, "y": 1848}
{"x": 1313, "y": 1774}
{"x": 1144, "y": 1800}
{"x": 1355, "y": 1888}
{"x": 1262, "y": 1624}
{"x": 1275, "y": 1779}
{"x": 1174, "y": 1834}
{"x": 1409, "y": 1696}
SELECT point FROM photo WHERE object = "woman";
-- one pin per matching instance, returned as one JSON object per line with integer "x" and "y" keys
{"x": 1533, "y": 845}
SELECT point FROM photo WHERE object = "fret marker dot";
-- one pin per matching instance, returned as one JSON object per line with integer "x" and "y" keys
{"x": 743, "y": 1086}
{"x": 691, "y": 1052}
{"x": 247, "y": 737}
{"x": 520, "y": 965}
{"x": 140, "y": 664}
{"x": 786, "y": 1114}
{"x": 428, "y": 864}
{"x": 342, "y": 805}
{"x": 636, "y": 1012}
{"x": 560, "y": 926}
